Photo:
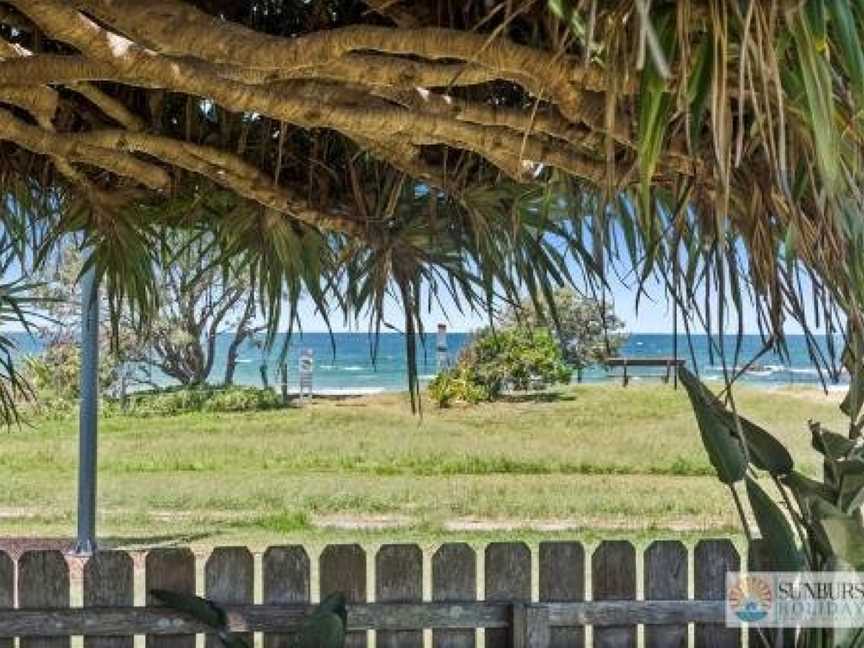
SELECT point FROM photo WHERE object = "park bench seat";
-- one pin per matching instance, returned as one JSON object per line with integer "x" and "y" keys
{"x": 662, "y": 363}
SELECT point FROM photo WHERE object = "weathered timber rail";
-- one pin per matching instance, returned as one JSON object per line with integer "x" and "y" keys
{"x": 532, "y": 600}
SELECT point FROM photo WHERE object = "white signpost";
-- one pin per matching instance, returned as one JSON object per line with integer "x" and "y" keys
{"x": 307, "y": 365}
{"x": 441, "y": 355}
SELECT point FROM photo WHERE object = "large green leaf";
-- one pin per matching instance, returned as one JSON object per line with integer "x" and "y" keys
{"x": 724, "y": 448}
{"x": 203, "y": 610}
{"x": 804, "y": 488}
{"x": 775, "y": 529}
{"x": 843, "y": 533}
{"x": 850, "y": 474}
{"x": 835, "y": 448}
{"x": 832, "y": 445}
{"x": 766, "y": 452}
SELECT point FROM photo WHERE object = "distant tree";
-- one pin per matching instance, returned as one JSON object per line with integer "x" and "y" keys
{"x": 54, "y": 374}
{"x": 589, "y": 332}
{"x": 199, "y": 299}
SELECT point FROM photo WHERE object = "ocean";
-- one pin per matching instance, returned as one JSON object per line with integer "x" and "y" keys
{"x": 344, "y": 363}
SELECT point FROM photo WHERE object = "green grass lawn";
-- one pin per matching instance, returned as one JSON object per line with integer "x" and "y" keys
{"x": 597, "y": 461}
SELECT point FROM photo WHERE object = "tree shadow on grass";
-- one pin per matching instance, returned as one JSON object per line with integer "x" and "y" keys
{"x": 149, "y": 542}
{"x": 537, "y": 397}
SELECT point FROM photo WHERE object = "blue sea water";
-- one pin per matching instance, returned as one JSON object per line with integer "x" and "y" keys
{"x": 344, "y": 363}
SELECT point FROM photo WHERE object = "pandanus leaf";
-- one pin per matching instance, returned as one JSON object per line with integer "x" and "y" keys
{"x": 850, "y": 54}
{"x": 724, "y": 448}
{"x": 655, "y": 107}
{"x": 854, "y": 364}
{"x": 808, "y": 33}
{"x": 699, "y": 87}
{"x": 775, "y": 529}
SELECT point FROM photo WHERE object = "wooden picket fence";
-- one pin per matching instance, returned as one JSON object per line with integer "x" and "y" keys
{"x": 35, "y": 596}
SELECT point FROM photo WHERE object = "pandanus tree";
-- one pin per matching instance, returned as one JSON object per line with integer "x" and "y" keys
{"x": 405, "y": 148}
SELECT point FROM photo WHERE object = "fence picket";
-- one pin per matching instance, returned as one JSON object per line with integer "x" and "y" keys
{"x": 286, "y": 579}
{"x": 760, "y": 558}
{"x": 109, "y": 582}
{"x": 170, "y": 569}
{"x": 613, "y": 578}
{"x": 229, "y": 577}
{"x": 666, "y": 580}
{"x": 42, "y": 585}
{"x": 399, "y": 579}
{"x": 562, "y": 578}
{"x": 712, "y": 559}
{"x": 454, "y": 579}
{"x": 343, "y": 569}
{"x": 508, "y": 578}
{"x": 7, "y": 591}
{"x": 43, "y": 582}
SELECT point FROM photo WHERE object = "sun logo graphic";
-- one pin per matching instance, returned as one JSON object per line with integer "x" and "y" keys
{"x": 749, "y": 598}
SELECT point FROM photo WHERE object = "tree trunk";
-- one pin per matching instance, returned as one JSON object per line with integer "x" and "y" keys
{"x": 239, "y": 337}
{"x": 231, "y": 363}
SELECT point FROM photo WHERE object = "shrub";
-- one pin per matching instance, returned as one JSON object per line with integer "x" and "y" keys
{"x": 242, "y": 399}
{"x": 172, "y": 401}
{"x": 588, "y": 331}
{"x": 457, "y": 384}
{"x": 55, "y": 376}
{"x": 513, "y": 357}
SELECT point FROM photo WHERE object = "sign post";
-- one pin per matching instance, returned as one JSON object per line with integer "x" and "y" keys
{"x": 307, "y": 365}
{"x": 441, "y": 355}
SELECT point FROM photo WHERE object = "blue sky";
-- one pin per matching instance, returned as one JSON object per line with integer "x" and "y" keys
{"x": 654, "y": 315}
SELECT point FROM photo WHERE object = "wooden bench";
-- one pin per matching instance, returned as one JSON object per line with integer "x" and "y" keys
{"x": 668, "y": 363}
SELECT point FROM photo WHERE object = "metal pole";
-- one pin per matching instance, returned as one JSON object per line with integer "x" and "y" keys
{"x": 88, "y": 412}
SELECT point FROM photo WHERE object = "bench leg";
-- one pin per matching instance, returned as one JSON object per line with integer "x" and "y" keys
{"x": 626, "y": 379}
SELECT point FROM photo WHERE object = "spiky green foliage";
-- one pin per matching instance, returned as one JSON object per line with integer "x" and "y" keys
{"x": 713, "y": 147}
{"x": 804, "y": 524}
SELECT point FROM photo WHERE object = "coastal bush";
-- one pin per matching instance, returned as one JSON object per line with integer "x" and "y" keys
{"x": 54, "y": 376}
{"x": 242, "y": 399}
{"x": 457, "y": 385}
{"x": 173, "y": 401}
{"x": 588, "y": 331}
{"x": 516, "y": 358}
